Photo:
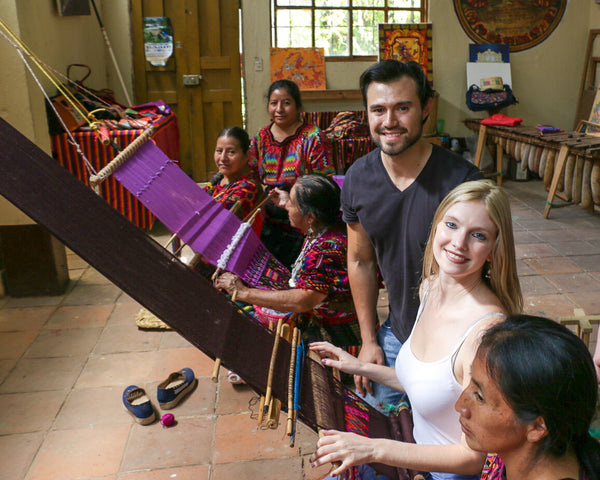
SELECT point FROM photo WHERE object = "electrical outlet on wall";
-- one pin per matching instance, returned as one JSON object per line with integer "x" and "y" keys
{"x": 258, "y": 64}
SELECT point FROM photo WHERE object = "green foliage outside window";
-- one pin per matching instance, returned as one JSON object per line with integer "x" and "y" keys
{"x": 343, "y": 28}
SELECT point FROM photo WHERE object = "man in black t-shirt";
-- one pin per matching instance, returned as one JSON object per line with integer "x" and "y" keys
{"x": 389, "y": 198}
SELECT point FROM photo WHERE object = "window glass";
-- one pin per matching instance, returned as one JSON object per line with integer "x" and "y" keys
{"x": 364, "y": 31}
{"x": 332, "y": 3}
{"x": 294, "y": 28}
{"x": 332, "y": 32}
{"x": 343, "y": 28}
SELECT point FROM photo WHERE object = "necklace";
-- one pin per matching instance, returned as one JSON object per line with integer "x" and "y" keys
{"x": 309, "y": 242}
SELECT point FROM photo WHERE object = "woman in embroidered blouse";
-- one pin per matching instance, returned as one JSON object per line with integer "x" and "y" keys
{"x": 469, "y": 283}
{"x": 531, "y": 400}
{"x": 235, "y": 182}
{"x": 281, "y": 152}
{"x": 319, "y": 289}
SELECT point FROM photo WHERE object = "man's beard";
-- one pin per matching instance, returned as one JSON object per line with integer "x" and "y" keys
{"x": 393, "y": 150}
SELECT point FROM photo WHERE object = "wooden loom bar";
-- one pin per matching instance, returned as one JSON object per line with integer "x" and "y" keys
{"x": 290, "y": 417}
{"x": 95, "y": 180}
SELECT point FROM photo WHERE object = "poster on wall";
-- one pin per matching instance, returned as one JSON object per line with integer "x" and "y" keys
{"x": 158, "y": 40}
{"x": 304, "y": 66}
{"x": 520, "y": 24}
{"x": 411, "y": 41}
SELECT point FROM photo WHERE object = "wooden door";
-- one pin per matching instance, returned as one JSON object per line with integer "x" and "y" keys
{"x": 201, "y": 81}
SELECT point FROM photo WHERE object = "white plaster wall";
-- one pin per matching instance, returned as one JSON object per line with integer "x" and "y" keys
{"x": 56, "y": 41}
{"x": 14, "y": 102}
{"x": 115, "y": 17}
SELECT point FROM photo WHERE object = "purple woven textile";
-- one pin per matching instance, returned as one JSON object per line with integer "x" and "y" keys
{"x": 187, "y": 210}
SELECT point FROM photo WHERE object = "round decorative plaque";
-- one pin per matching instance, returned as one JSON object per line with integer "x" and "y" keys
{"x": 521, "y": 24}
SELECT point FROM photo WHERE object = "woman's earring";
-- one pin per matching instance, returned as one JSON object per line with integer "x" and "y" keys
{"x": 488, "y": 274}
{"x": 311, "y": 232}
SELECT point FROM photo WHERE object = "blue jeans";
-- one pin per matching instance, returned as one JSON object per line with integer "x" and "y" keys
{"x": 452, "y": 476}
{"x": 384, "y": 395}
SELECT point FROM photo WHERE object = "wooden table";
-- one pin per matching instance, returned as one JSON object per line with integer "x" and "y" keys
{"x": 567, "y": 154}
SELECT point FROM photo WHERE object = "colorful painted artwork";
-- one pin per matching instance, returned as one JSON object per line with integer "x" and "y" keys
{"x": 407, "y": 42}
{"x": 304, "y": 66}
{"x": 520, "y": 24}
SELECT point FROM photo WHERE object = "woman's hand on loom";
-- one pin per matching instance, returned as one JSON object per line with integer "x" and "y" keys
{"x": 229, "y": 282}
{"x": 335, "y": 357}
{"x": 279, "y": 197}
{"x": 347, "y": 449}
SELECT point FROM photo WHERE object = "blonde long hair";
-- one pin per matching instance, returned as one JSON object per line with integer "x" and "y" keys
{"x": 502, "y": 278}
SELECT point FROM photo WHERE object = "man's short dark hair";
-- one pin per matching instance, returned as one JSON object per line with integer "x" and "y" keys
{"x": 387, "y": 71}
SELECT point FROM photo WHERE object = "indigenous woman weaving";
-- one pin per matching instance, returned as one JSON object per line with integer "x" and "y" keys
{"x": 531, "y": 400}
{"x": 318, "y": 289}
{"x": 235, "y": 182}
{"x": 281, "y": 152}
{"x": 469, "y": 283}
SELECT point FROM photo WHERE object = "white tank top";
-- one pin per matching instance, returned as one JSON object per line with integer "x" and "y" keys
{"x": 432, "y": 390}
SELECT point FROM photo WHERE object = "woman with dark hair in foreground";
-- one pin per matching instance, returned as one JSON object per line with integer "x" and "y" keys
{"x": 531, "y": 400}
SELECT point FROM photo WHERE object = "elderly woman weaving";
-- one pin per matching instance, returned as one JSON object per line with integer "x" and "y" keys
{"x": 319, "y": 290}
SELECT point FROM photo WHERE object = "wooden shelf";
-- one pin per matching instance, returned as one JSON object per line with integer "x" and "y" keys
{"x": 331, "y": 95}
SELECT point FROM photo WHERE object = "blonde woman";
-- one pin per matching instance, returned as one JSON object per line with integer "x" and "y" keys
{"x": 469, "y": 283}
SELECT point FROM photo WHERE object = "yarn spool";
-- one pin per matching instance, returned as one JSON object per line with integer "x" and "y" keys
{"x": 586, "y": 185}
{"x": 549, "y": 170}
{"x": 569, "y": 169}
{"x": 595, "y": 182}
{"x": 577, "y": 177}
{"x": 167, "y": 420}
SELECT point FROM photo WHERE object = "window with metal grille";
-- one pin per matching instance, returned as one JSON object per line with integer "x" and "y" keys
{"x": 343, "y": 28}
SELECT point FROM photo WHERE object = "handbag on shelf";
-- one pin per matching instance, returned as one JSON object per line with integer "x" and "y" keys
{"x": 479, "y": 100}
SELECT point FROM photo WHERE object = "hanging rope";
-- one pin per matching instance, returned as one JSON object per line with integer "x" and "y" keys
{"x": 23, "y": 50}
{"x": 70, "y": 138}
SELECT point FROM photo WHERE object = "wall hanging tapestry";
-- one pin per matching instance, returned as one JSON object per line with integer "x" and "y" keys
{"x": 521, "y": 24}
{"x": 405, "y": 42}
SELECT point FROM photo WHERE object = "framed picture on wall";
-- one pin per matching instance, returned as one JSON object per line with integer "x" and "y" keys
{"x": 304, "y": 66}
{"x": 411, "y": 41}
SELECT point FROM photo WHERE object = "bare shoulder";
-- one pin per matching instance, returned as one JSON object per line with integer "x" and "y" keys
{"x": 467, "y": 351}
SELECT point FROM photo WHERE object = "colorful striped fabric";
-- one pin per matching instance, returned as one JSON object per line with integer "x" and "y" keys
{"x": 166, "y": 137}
{"x": 324, "y": 269}
{"x": 279, "y": 164}
{"x": 246, "y": 189}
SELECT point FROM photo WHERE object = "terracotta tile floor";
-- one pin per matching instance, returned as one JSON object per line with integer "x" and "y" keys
{"x": 64, "y": 362}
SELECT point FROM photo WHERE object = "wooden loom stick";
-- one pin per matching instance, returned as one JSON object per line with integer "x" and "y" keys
{"x": 261, "y": 409}
{"x": 275, "y": 405}
{"x": 95, "y": 180}
{"x": 269, "y": 389}
{"x": 290, "y": 417}
{"x": 216, "y": 368}
{"x": 252, "y": 215}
